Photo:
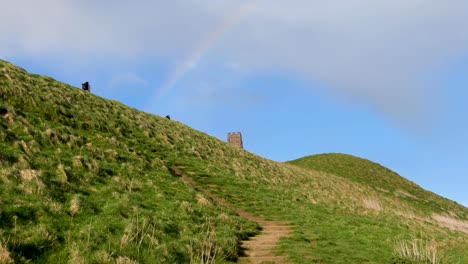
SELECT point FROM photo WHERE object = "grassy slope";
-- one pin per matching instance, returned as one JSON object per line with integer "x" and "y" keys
{"x": 377, "y": 177}
{"x": 83, "y": 179}
{"x": 86, "y": 179}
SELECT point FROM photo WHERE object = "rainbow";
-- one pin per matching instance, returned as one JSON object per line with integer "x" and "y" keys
{"x": 202, "y": 49}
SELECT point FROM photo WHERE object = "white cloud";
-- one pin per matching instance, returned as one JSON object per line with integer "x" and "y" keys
{"x": 376, "y": 52}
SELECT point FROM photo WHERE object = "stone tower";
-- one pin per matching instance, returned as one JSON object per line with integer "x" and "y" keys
{"x": 235, "y": 138}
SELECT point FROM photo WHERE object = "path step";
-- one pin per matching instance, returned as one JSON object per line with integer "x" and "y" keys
{"x": 250, "y": 247}
{"x": 275, "y": 226}
{"x": 259, "y": 260}
{"x": 268, "y": 236}
{"x": 259, "y": 253}
{"x": 259, "y": 243}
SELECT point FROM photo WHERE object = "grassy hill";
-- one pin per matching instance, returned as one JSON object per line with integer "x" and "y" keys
{"x": 378, "y": 178}
{"x": 87, "y": 180}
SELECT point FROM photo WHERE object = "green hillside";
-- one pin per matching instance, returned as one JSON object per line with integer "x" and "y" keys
{"x": 377, "y": 177}
{"x": 87, "y": 180}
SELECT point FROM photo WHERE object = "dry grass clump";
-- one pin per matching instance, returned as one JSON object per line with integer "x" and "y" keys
{"x": 410, "y": 215}
{"x": 111, "y": 153}
{"x": 30, "y": 181}
{"x": 372, "y": 204}
{"x": 74, "y": 205}
{"x": 92, "y": 166}
{"x": 8, "y": 77}
{"x": 9, "y": 117}
{"x": 51, "y": 136}
{"x": 77, "y": 162}
{"x": 4, "y": 172}
{"x": 75, "y": 256}
{"x": 5, "y": 257}
{"x": 187, "y": 206}
{"x": 48, "y": 133}
{"x": 125, "y": 260}
{"x": 22, "y": 163}
{"x": 418, "y": 250}
{"x": 28, "y": 175}
{"x": 223, "y": 216}
{"x": 402, "y": 193}
{"x": 74, "y": 141}
{"x": 26, "y": 148}
{"x": 113, "y": 141}
{"x": 89, "y": 147}
{"x": 201, "y": 200}
{"x": 43, "y": 232}
{"x": 140, "y": 232}
{"x": 61, "y": 174}
{"x": 451, "y": 223}
{"x": 53, "y": 206}
{"x": 196, "y": 153}
{"x": 127, "y": 184}
{"x": 103, "y": 257}
{"x": 204, "y": 251}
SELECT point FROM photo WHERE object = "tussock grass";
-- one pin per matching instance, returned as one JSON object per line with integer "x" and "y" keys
{"x": 204, "y": 251}
{"x": 201, "y": 200}
{"x": 125, "y": 260}
{"x": 419, "y": 251}
{"x": 451, "y": 222}
{"x": 5, "y": 257}
{"x": 372, "y": 204}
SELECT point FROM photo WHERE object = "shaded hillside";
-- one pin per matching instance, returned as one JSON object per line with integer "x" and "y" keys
{"x": 86, "y": 180}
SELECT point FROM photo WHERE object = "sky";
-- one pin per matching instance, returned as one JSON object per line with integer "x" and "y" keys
{"x": 383, "y": 80}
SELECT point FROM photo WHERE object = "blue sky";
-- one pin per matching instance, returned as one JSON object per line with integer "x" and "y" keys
{"x": 383, "y": 80}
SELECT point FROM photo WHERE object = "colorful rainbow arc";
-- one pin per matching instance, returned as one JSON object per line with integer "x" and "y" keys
{"x": 203, "y": 48}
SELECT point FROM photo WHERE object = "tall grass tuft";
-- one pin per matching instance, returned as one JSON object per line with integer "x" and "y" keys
{"x": 5, "y": 257}
{"x": 204, "y": 251}
{"x": 418, "y": 250}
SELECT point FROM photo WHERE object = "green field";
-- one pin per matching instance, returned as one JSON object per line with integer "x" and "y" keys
{"x": 86, "y": 180}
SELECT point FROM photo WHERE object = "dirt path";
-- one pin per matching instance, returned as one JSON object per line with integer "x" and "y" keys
{"x": 259, "y": 248}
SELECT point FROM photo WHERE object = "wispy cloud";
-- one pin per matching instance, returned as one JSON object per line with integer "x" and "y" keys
{"x": 380, "y": 53}
{"x": 208, "y": 93}
{"x": 208, "y": 87}
{"x": 127, "y": 78}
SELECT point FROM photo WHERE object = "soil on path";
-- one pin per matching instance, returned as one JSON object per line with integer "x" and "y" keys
{"x": 259, "y": 248}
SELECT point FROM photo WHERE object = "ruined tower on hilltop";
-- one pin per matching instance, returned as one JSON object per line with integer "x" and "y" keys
{"x": 235, "y": 138}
